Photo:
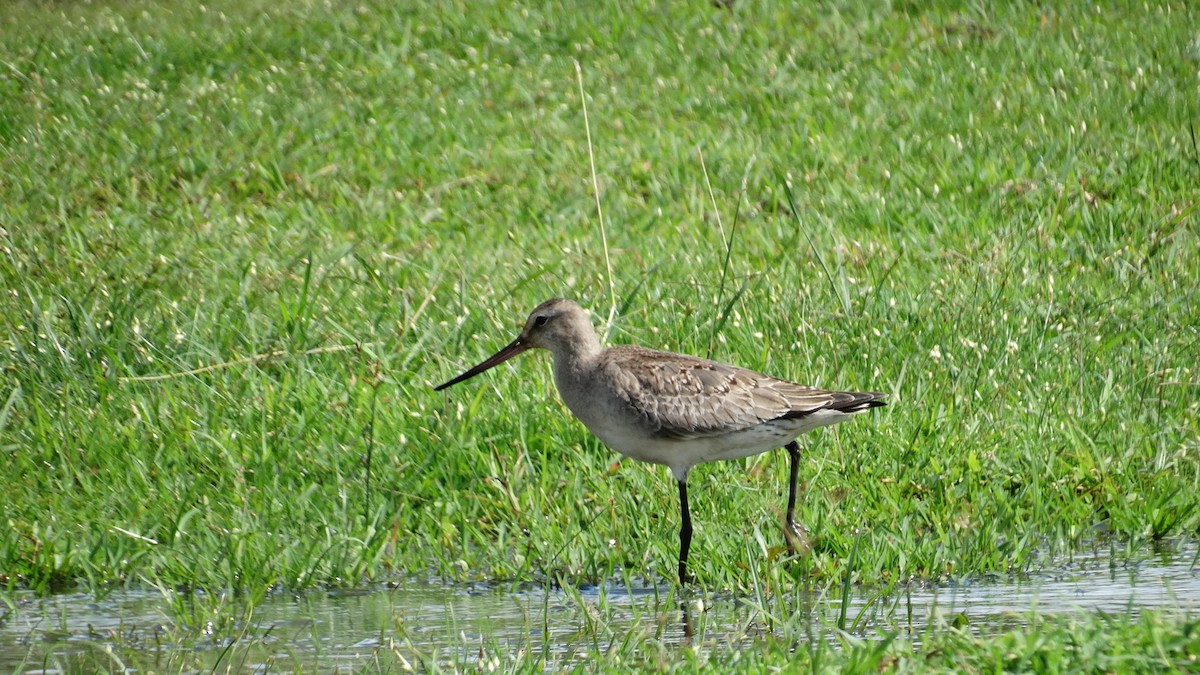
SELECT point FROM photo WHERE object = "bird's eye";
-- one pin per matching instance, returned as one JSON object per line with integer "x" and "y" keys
{"x": 540, "y": 320}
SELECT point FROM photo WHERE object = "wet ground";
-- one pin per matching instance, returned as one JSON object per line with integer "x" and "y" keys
{"x": 151, "y": 630}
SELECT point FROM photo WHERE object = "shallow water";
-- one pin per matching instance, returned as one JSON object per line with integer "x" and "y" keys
{"x": 148, "y": 630}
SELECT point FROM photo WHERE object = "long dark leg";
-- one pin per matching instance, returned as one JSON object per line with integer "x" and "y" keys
{"x": 685, "y": 532}
{"x": 796, "y": 535}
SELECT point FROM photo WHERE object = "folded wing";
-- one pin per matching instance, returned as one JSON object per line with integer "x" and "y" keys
{"x": 686, "y": 397}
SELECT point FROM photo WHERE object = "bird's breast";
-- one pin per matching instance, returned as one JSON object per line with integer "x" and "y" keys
{"x": 593, "y": 398}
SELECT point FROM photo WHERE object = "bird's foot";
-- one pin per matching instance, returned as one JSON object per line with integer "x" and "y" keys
{"x": 799, "y": 542}
{"x": 685, "y": 577}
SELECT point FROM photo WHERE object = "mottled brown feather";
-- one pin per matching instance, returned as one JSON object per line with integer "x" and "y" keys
{"x": 681, "y": 396}
{"x": 674, "y": 409}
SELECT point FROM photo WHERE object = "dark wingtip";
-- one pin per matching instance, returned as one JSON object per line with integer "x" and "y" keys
{"x": 859, "y": 401}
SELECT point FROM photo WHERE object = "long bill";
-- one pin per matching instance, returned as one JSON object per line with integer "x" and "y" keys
{"x": 515, "y": 347}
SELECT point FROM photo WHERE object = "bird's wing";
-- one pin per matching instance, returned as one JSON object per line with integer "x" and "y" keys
{"x": 686, "y": 397}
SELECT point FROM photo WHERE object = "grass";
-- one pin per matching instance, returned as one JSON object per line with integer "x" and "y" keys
{"x": 394, "y": 633}
{"x": 241, "y": 241}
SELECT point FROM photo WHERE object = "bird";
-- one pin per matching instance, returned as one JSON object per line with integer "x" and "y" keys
{"x": 673, "y": 409}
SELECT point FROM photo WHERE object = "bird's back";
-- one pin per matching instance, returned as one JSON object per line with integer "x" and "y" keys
{"x": 675, "y": 396}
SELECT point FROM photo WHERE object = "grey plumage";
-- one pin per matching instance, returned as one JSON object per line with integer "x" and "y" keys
{"x": 684, "y": 397}
{"x": 674, "y": 409}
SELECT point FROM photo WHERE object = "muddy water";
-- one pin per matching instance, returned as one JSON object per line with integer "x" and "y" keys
{"x": 144, "y": 630}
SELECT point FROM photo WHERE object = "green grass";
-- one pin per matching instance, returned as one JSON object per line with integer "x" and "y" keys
{"x": 988, "y": 214}
{"x": 228, "y": 636}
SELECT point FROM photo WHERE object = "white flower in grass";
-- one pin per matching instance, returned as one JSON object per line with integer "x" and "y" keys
{"x": 973, "y": 345}
{"x": 936, "y": 353}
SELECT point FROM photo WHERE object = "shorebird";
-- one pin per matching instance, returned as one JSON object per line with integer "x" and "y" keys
{"x": 674, "y": 409}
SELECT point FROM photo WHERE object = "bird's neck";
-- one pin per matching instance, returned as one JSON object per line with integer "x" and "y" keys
{"x": 578, "y": 355}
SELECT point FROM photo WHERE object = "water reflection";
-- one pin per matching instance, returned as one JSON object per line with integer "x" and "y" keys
{"x": 138, "y": 630}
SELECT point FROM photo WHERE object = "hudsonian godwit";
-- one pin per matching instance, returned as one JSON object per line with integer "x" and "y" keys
{"x": 674, "y": 409}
